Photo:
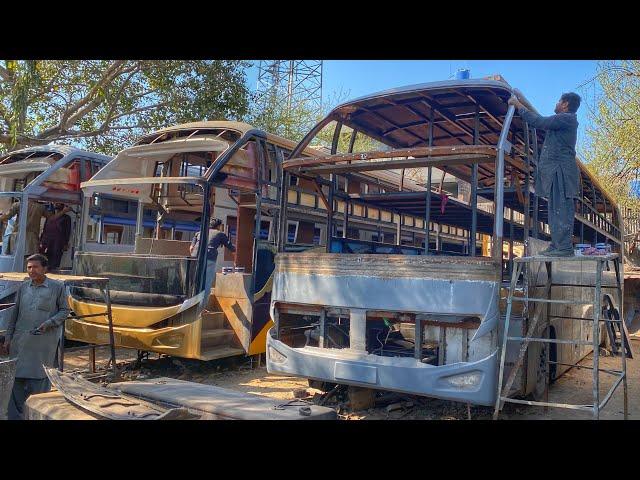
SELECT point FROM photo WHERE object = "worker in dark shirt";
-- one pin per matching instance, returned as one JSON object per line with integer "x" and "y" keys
{"x": 557, "y": 176}
{"x": 217, "y": 238}
{"x": 54, "y": 240}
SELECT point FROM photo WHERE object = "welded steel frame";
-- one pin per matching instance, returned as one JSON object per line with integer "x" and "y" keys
{"x": 525, "y": 143}
{"x": 620, "y": 375}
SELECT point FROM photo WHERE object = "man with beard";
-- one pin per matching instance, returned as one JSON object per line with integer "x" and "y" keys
{"x": 33, "y": 332}
{"x": 557, "y": 174}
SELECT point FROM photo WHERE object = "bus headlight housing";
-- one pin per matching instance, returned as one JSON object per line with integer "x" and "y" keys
{"x": 275, "y": 356}
{"x": 463, "y": 381}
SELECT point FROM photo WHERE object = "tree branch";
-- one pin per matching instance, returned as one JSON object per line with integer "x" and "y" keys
{"x": 104, "y": 129}
{"x": 141, "y": 109}
{"x": 113, "y": 105}
{"x": 98, "y": 100}
{"x": 95, "y": 133}
{"x": 89, "y": 101}
{"x": 21, "y": 140}
{"x": 5, "y": 75}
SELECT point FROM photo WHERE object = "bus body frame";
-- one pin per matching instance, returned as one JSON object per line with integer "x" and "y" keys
{"x": 37, "y": 190}
{"x": 451, "y": 304}
{"x": 177, "y": 329}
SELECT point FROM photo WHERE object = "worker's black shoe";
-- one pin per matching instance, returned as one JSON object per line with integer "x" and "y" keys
{"x": 560, "y": 253}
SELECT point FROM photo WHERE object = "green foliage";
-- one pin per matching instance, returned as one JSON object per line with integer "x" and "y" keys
{"x": 273, "y": 115}
{"x": 293, "y": 122}
{"x": 612, "y": 151}
{"x": 362, "y": 143}
{"x": 103, "y": 105}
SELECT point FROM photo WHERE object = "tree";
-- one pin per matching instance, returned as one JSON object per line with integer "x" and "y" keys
{"x": 103, "y": 105}
{"x": 273, "y": 116}
{"x": 612, "y": 150}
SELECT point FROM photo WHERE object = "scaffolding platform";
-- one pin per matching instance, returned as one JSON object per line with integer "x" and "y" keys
{"x": 536, "y": 325}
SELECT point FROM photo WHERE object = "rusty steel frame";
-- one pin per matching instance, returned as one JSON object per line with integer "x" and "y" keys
{"x": 524, "y": 142}
{"x": 333, "y": 159}
{"x": 523, "y": 263}
{"x": 434, "y": 107}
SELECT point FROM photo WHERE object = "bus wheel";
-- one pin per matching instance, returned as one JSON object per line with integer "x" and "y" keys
{"x": 545, "y": 369}
{"x": 542, "y": 372}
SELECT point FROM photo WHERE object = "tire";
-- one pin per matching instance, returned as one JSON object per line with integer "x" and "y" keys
{"x": 545, "y": 370}
{"x": 542, "y": 372}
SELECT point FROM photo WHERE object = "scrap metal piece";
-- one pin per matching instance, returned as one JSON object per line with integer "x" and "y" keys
{"x": 91, "y": 397}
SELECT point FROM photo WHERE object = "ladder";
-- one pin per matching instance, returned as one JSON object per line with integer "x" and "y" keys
{"x": 617, "y": 331}
{"x": 536, "y": 324}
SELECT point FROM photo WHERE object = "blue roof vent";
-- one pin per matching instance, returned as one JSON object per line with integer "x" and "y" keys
{"x": 463, "y": 74}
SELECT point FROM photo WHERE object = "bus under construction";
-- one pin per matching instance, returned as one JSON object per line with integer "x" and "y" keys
{"x": 141, "y": 212}
{"x": 30, "y": 179}
{"x": 167, "y": 186}
{"x": 401, "y": 312}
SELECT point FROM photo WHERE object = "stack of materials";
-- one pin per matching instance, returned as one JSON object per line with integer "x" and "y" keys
{"x": 585, "y": 249}
{"x": 160, "y": 399}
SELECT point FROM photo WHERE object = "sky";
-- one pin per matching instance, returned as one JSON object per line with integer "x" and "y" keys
{"x": 541, "y": 81}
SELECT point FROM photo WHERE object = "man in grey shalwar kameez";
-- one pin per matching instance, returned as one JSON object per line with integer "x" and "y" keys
{"x": 33, "y": 332}
{"x": 558, "y": 175}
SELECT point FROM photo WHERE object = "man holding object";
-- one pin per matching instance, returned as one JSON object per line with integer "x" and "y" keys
{"x": 557, "y": 176}
{"x": 33, "y": 332}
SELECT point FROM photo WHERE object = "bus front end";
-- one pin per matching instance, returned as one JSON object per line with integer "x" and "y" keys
{"x": 389, "y": 322}
{"x": 153, "y": 304}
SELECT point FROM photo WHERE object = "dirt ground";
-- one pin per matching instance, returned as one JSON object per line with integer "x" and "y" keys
{"x": 245, "y": 375}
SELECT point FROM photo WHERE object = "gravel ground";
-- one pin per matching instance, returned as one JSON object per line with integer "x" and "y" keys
{"x": 245, "y": 375}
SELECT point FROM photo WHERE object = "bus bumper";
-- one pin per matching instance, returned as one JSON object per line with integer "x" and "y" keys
{"x": 180, "y": 341}
{"x": 472, "y": 382}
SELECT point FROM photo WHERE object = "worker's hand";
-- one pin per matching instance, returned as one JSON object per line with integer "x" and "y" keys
{"x": 66, "y": 209}
{"x": 44, "y": 327}
{"x": 65, "y": 248}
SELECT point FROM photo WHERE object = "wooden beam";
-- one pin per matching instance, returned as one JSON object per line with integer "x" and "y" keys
{"x": 402, "y": 152}
{"x": 445, "y": 117}
{"x": 318, "y": 189}
{"x": 399, "y": 164}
